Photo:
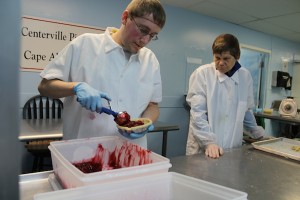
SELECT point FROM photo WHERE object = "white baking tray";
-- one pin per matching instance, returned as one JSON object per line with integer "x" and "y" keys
{"x": 279, "y": 146}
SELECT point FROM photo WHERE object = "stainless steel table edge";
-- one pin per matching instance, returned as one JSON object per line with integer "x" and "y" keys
{"x": 260, "y": 174}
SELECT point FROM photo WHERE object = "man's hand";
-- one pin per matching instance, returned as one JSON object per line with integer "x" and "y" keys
{"x": 89, "y": 97}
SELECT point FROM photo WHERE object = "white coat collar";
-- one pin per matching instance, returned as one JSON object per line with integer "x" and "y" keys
{"x": 222, "y": 77}
{"x": 111, "y": 45}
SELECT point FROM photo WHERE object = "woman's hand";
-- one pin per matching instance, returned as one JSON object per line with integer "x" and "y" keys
{"x": 213, "y": 151}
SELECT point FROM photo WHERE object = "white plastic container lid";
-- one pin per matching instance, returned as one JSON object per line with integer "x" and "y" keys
{"x": 164, "y": 186}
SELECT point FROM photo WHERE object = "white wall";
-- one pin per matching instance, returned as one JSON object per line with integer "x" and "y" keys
{"x": 186, "y": 34}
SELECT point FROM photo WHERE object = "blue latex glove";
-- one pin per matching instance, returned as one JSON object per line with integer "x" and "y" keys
{"x": 89, "y": 97}
{"x": 134, "y": 135}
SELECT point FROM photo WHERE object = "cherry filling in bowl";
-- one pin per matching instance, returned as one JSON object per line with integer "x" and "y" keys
{"x": 131, "y": 124}
{"x": 136, "y": 125}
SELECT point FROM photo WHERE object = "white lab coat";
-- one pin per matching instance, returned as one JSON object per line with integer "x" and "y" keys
{"x": 99, "y": 61}
{"x": 221, "y": 107}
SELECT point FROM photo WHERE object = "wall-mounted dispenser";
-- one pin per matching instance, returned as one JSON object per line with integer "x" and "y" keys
{"x": 281, "y": 79}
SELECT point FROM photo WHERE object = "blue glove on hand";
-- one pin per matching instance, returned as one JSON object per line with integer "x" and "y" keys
{"x": 134, "y": 135}
{"x": 89, "y": 97}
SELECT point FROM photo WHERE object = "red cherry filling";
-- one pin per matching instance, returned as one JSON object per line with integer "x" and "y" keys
{"x": 122, "y": 118}
{"x": 88, "y": 167}
{"x": 126, "y": 155}
{"x": 134, "y": 123}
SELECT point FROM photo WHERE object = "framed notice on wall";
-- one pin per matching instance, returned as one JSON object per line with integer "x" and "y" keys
{"x": 42, "y": 39}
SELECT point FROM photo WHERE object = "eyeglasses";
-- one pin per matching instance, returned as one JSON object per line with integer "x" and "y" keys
{"x": 145, "y": 31}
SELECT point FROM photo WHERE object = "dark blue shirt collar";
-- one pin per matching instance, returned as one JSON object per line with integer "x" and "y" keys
{"x": 236, "y": 67}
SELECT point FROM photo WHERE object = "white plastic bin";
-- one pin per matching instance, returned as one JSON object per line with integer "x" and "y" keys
{"x": 163, "y": 186}
{"x": 66, "y": 152}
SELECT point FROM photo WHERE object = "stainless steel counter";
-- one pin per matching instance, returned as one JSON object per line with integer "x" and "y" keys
{"x": 35, "y": 129}
{"x": 276, "y": 116}
{"x": 262, "y": 175}
{"x": 52, "y": 129}
{"x": 288, "y": 121}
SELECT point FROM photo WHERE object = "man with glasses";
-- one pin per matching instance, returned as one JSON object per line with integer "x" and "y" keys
{"x": 115, "y": 66}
